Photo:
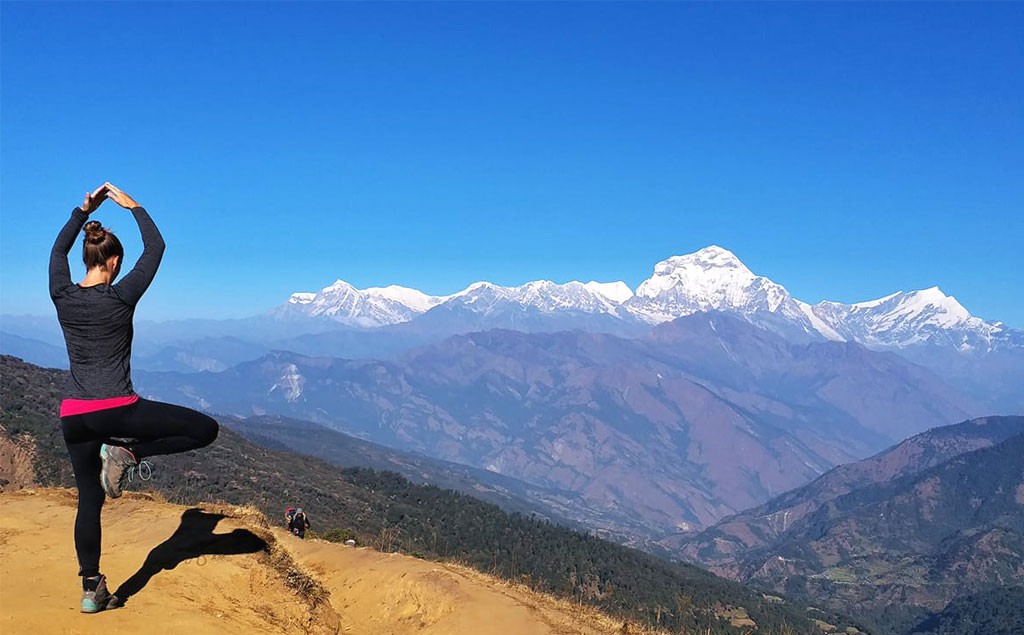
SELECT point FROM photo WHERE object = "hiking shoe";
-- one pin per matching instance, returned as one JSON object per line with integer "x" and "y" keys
{"x": 96, "y": 601}
{"x": 119, "y": 465}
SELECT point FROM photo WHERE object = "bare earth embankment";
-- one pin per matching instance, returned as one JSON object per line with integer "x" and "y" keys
{"x": 222, "y": 570}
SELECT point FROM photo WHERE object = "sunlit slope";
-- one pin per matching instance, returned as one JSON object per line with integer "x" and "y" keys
{"x": 222, "y": 570}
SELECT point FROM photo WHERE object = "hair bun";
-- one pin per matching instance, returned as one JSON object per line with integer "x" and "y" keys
{"x": 95, "y": 233}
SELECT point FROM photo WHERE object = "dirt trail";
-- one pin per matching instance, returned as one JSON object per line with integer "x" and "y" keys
{"x": 167, "y": 560}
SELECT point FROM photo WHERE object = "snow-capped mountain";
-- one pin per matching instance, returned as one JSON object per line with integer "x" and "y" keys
{"x": 380, "y": 306}
{"x": 905, "y": 319}
{"x": 714, "y": 279}
{"x": 544, "y": 296}
{"x": 372, "y": 307}
{"x": 711, "y": 279}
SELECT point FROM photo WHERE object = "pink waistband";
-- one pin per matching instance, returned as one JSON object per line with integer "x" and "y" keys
{"x": 70, "y": 407}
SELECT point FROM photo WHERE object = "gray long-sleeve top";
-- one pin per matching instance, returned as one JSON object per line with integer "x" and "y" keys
{"x": 97, "y": 321}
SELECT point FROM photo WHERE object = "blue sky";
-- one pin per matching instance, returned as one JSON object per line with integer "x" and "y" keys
{"x": 844, "y": 150}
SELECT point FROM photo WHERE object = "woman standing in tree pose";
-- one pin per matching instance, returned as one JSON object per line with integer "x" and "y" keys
{"x": 108, "y": 428}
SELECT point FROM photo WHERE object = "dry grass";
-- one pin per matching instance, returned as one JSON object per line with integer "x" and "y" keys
{"x": 563, "y": 616}
{"x": 321, "y": 616}
{"x": 61, "y": 495}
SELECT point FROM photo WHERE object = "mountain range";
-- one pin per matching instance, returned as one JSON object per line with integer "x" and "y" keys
{"x": 712, "y": 279}
{"x": 700, "y": 418}
{"x": 984, "y": 359}
{"x": 895, "y": 536}
{"x": 926, "y": 326}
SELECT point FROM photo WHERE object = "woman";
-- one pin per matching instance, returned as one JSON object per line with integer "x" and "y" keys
{"x": 108, "y": 428}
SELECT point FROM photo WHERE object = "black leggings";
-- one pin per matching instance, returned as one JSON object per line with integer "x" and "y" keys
{"x": 147, "y": 428}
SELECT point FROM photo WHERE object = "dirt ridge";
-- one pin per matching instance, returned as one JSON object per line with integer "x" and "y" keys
{"x": 225, "y": 569}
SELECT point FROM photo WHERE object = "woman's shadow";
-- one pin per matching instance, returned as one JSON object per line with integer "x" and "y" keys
{"x": 193, "y": 538}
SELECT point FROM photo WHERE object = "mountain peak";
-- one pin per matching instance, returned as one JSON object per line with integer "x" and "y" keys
{"x": 712, "y": 278}
{"x": 617, "y": 292}
{"x": 715, "y": 251}
{"x": 476, "y": 287}
{"x": 931, "y": 301}
{"x": 707, "y": 259}
{"x": 338, "y": 285}
{"x": 367, "y": 308}
{"x": 934, "y": 300}
{"x": 412, "y": 298}
{"x": 908, "y": 317}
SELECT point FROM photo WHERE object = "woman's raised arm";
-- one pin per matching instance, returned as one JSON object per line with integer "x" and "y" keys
{"x": 133, "y": 285}
{"x": 60, "y": 272}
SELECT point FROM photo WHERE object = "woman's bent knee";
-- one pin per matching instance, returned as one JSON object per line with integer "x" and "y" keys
{"x": 208, "y": 431}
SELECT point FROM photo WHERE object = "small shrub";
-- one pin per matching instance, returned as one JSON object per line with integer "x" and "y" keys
{"x": 339, "y": 535}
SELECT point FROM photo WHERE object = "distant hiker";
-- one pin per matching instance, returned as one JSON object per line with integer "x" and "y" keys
{"x": 288, "y": 513}
{"x": 108, "y": 428}
{"x": 298, "y": 524}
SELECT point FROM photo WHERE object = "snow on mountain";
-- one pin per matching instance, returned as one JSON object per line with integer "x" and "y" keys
{"x": 819, "y": 325}
{"x": 544, "y": 296}
{"x": 617, "y": 292}
{"x": 414, "y": 299}
{"x": 714, "y": 279}
{"x": 711, "y": 279}
{"x": 379, "y": 306}
{"x": 376, "y": 306}
{"x": 904, "y": 319}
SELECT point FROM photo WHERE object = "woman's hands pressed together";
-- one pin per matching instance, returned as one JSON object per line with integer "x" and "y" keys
{"x": 94, "y": 199}
{"x": 108, "y": 190}
{"x": 119, "y": 197}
